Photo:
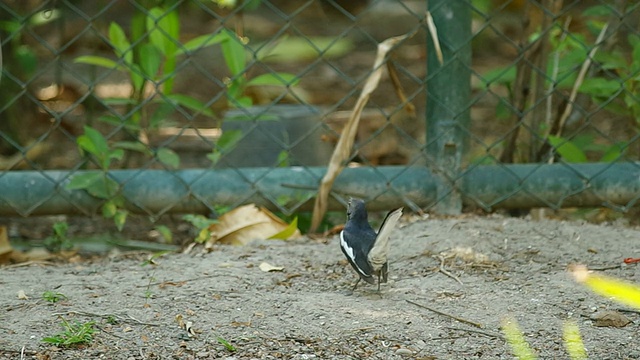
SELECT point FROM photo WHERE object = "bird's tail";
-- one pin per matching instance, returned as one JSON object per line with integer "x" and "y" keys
{"x": 378, "y": 254}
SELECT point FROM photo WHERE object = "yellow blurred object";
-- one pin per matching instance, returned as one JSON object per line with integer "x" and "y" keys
{"x": 620, "y": 291}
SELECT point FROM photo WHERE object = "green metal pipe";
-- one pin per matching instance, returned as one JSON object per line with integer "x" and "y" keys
{"x": 448, "y": 94}
{"x": 155, "y": 192}
{"x": 492, "y": 187}
{"x": 555, "y": 185}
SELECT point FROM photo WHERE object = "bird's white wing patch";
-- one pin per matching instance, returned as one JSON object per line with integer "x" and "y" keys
{"x": 378, "y": 255}
{"x": 349, "y": 251}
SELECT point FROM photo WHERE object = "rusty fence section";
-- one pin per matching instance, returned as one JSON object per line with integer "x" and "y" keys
{"x": 191, "y": 106}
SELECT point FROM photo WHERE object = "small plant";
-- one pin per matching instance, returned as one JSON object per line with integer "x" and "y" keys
{"x": 73, "y": 334}
{"x": 202, "y": 224}
{"x": 98, "y": 184}
{"x": 59, "y": 240}
{"x": 150, "y": 58}
{"x": 613, "y": 88}
{"x": 53, "y": 297}
{"x": 226, "y": 344}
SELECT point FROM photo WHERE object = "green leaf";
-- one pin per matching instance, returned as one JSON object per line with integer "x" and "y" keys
{"x": 277, "y": 79}
{"x": 228, "y": 139}
{"x": 93, "y": 142}
{"x": 104, "y": 188}
{"x": 298, "y": 48}
{"x": 611, "y": 60}
{"x": 150, "y": 60}
{"x": 201, "y": 42}
{"x": 120, "y": 43}
{"x": 116, "y": 154}
{"x": 136, "y": 78}
{"x": 168, "y": 157}
{"x": 598, "y": 10}
{"x": 568, "y": 150}
{"x": 241, "y": 102}
{"x": 199, "y": 221}
{"x": 613, "y": 153}
{"x": 191, "y": 103}
{"x": 600, "y": 87}
{"x": 109, "y": 209}
{"x": 60, "y": 229}
{"x": 283, "y": 159}
{"x": 166, "y": 233}
{"x": 98, "y": 61}
{"x": 500, "y": 76}
{"x": 120, "y": 218}
{"x": 288, "y": 231}
{"x": 132, "y": 146}
{"x": 83, "y": 181}
{"x": 163, "y": 27}
{"x": 234, "y": 53}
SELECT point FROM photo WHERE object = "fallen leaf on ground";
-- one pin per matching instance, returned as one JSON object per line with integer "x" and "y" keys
{"x": 266, "y": 267}
{"x": 246, "y": 223}
{"x": 610, "y": 318}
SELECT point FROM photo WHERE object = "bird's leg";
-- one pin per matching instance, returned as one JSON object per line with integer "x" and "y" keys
{"x": 356, "y": 285}
{"x": 378, "y": 282}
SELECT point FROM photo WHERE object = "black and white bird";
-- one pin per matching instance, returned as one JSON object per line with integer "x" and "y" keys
{"x": 365, "y": 249}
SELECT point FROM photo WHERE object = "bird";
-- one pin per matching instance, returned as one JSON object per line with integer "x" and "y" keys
{"x": 365, "y": 249}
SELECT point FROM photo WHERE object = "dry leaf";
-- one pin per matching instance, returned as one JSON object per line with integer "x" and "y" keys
{"x": 246, "y": 223}
{"x": 266, "y": 267}
{"x": 22, "y": 295}
{"x": 342, "y": 152}
{"x": 610, "y": 318}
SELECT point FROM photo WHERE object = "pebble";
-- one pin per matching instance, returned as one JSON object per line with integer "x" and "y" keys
{"x": 404, "y": 352}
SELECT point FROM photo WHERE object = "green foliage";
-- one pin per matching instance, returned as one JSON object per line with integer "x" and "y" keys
{"x": 151, "y": 63}
{"x": 226, "y": 344}
{"x": 59, "y": 240}
{"x": 73, "y": 334}
{"x": 615, "y": 88}
{"x": 227, "y": 141}
{"x": 618, "y": 90}
{"x": 52, "y": 296}
{"x": 98, "y": 184}
{"x": 235, "y": 56}
{"x": 202, "y": 224}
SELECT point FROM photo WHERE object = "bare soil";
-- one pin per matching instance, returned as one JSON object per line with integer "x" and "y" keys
{"x": 505, "y": 267}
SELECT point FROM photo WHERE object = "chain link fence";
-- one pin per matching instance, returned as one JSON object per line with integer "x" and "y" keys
{"x": 156, "y": 107}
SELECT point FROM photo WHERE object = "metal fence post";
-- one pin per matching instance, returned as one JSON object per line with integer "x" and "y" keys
{"x": 448, "y": 94}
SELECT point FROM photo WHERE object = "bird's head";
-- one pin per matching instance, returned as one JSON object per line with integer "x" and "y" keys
{"x": 356, "y": 210}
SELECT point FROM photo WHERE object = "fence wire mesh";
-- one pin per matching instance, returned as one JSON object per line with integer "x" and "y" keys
{"x": 260, "y": 90}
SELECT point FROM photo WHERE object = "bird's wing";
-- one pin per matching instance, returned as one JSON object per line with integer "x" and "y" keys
{"x": 357, "y": 258}
{"x": 378, "y": 254}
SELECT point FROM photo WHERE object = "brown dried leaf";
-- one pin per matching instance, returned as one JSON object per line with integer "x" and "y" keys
{"x": 610, "y": 318}
{"x": 343, "y": 149}
{"x": 246, "y": 223}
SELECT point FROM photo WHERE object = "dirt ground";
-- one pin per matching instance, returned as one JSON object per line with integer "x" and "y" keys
{"x": 505, "y": 266}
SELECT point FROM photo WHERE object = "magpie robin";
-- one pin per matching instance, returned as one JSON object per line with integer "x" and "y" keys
{"x": 365, "y": 249}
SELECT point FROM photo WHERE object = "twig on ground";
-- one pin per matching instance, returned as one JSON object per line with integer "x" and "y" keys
{"x": 447, "y": 273}
{"x": 485, "y": 333}
{"x": 457, "y": 318}
{"x": 130, "y": 319}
